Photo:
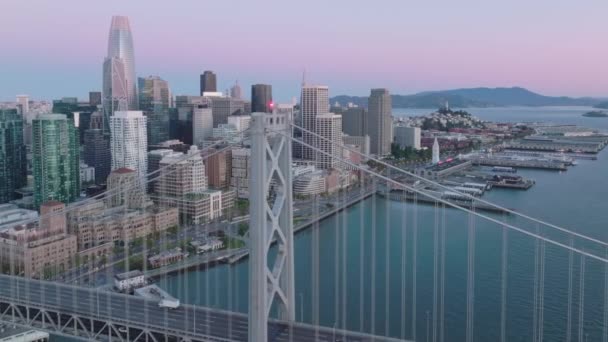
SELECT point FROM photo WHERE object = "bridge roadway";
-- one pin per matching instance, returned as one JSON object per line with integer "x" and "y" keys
{"x": 132, "y": 314}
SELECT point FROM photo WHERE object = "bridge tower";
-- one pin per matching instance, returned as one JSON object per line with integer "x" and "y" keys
{"x": 271, "y": 277}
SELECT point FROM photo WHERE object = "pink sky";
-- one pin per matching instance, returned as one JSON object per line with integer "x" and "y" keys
{"x": 55, "y": 48}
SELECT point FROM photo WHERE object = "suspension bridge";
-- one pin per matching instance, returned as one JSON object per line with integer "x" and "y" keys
{"x": 383, "y": 271}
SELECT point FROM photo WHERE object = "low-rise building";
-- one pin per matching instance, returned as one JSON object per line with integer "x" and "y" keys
{"x": 11, "y": 215}
{"x": 311, "y": 183}
{"x": 12, "y": 333}
{"x": 40, "y": 249}
{"x": 195, "y": 208}
{"x": 127, "y": 281}
{"x": 207, "y": 245}
{"x": 316, "y": 182}
{"x": 165, "y": 258}
{"x": 94, "y": 224}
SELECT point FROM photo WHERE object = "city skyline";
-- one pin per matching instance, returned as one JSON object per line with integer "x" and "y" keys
{"x": 423, "y": 47}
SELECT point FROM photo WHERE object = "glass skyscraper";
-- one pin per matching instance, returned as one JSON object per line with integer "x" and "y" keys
{"x": 13, "y": 173}
{"x": 154, "y": 101}
{"x": 119, "y": 87}
{"x": 380, "y": 122}
{"x": 55, "y": 159}
{"x": 261, "y": 98}
{"x": 208, "y": 82}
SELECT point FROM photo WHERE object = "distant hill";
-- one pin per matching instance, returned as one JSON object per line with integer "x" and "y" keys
{"x": 475, "y": 97}
{"x": 602, "y": 105}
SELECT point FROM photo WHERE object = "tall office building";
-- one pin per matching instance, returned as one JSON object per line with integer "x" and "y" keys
{"x": 97, "y": 153}
{"x": 218, "y": 167}
{"x": 13, "y": 169}
{"x": 119, "y": 87}
{"x": 407, "y": 136}
{"x": 154, "y": 101}
{"x": 94, "y": 98}
{"x": 23, "y": 104}
{"x": 56, "y": 160}
{"x": 380, "y": 122}
{"x": 354, "y": 121}
{"x": 96, "y": 121}
{"x": 129, "y": 142}
{"x": 202, "y": 124}
{"x": 236, "y": 92}
{"x": 79, "y": 112}
{"x": 115, "y": 93}
{"x": 224, "y": 107}
{"x": 185, "y": 106}
{"x": 329, "y": 126}
{"x": 261, "y": 98}
{"x": 208, "y": 82}
{"x": 314, "y": 101}
{"x": 182, "y": 174}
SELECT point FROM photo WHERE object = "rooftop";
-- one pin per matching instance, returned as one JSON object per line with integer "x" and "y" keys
{"x": 129, "y": 275}
{"x": 444, "y": 165}
{"x": 123, "y": 170}
{"x": 15, "y": 333}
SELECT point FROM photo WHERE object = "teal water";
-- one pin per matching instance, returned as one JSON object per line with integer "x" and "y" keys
{"x": 363, "y": 277}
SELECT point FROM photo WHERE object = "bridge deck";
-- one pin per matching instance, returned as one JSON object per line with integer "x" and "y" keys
{"x": 193, "y": 322}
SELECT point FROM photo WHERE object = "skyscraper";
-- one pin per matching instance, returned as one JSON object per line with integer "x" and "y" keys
{"x": 224, "y": 107}
{"x": 182, "y": 174}
{"x": 129, "y": 142}
{"x": 13, "y": 171}
{"x": 261, "y": 98}
{"x": 314, "y": 101}
{"x": 23, "y": 104}
{"x": 380, "y": 122}
{"x": 185, "y": 106}
{"x": 236, "y": 92}
{"x": 79, "y": 112}
{"x": 56, "y": 161}
{"x": 119, "y": 87}
{"x": 202, "y": 124}
{"x": 154, "y": 101}
{"x": 329, "y": 126}
{"x": 94, "y": 98}
{"x": 96, "y": 121}
{"x": 97, "y": 153}
{"x": 115, "y": 93}
{"x": 208, "y": 82}
{"x": 354, "y": 121}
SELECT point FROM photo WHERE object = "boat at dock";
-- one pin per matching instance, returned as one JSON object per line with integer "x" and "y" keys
{"x": 512, "y": 182}
{"x": 454, "y": 198}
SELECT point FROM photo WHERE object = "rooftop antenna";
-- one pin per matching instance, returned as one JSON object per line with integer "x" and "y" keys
{"x": 304, "y": 78}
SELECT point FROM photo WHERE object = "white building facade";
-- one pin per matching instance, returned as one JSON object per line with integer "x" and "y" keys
{"x": 129, "y": 142}
{"x": 407, "y": 136}
{"x": 329, "y": 127}
{"x": 314, "y": 101}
